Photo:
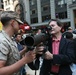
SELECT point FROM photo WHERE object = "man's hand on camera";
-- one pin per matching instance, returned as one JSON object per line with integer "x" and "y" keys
{"x": 29, "y": 56}
{"x": 48, "y": 55}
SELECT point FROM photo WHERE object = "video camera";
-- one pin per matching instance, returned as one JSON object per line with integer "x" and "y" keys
{"x": 34, "y": 40}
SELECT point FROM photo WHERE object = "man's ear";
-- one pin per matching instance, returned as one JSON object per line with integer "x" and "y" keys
{"x": 62, "y": 29}
{"x": 12, "y": 22}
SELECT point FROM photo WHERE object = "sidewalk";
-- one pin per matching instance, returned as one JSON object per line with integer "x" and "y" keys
{"x": 31, "y": 72}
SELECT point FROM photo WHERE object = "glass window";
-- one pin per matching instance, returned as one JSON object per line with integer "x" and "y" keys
{"x": 33, "y": 11}
{"x": 8, "y": 1}
{"x": 65, "y": 1}
{"x": 34, "y": 20}
{"x": 2, "y": 6}
{"x": 45, "y": 8}
{"x": 74, "y": 13}
{"x": 61, "y": 15}
{"x": 13, "y": 1}
{"x": 32, "y": 2}
{"x": 46, "y": 18}
{"x": 74, "y": 1}
{"x": 62, "y": 2}
{"x": 5, "y": 2}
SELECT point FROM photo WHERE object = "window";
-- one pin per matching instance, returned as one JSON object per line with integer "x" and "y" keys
{"x": 65, "y": 1}
{"x": 45, "y": 8}
{"x": 34, "y": 20}
{"x": 32, "y": 2}
{"x": 74, "y": 13}
{"x": 62, "y": 2}
{"x": 8, "y": 2}
{"x": 46, "y": 18}
{"x": 61, "y": 15}
{"x": 2, "y": 6}
{"x": 74, "y": 1}
{"x": 5, "y": 2}
{"x": 33, "y": 11}
{"x": 13, "y": 1}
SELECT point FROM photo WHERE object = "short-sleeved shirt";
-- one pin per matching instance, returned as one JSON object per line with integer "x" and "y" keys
{"x": 8, "y": 50}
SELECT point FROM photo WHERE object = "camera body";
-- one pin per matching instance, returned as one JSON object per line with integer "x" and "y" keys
{"x": 36, "y": 39}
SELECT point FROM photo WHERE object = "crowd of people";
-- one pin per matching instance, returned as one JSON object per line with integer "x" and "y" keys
{"x": 58, "y": 59}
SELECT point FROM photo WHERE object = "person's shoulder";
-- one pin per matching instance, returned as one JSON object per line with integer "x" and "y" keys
{"x": 67, "y": 40}
{"x": 2, "y": 37}
{"x": 3, "y": 40}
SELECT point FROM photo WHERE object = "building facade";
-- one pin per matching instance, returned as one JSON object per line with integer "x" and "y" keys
{"x": 1, "y": 9}
{"x": 14, "y": 5}
{"x": 39, "y": 12}
{"x": 1, "y": 4}
{"x": 10, "y": 4}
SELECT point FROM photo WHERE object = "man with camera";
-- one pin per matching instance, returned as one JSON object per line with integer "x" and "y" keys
{"x": 10, "y": 62}
{"x": 59, "y": 54}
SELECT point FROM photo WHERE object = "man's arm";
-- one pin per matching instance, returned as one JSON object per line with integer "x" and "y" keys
{"x": 8, "y": 70}
{"x": 66, "y": 57}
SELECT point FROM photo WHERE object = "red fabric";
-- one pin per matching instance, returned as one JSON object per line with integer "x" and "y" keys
{"x": 55, "y": 46}
{"x": 55, "y": 68}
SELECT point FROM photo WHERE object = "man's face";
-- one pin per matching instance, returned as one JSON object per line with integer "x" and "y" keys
{"x": 18, "y": 38}
{"x": 15, "y": 26}
{"x": 55, "y": 28}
